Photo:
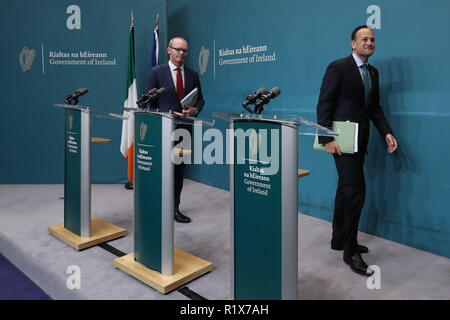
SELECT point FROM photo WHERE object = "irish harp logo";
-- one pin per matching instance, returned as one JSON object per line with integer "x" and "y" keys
{"x": 143, "y": 131}
{"x": 203, "y": 58}
{"x": 255, "y": 142}
{"x": 26, "y": 58}
{"x": 70, "y": 122}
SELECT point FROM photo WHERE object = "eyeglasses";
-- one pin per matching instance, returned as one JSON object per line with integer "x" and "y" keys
{"x": 179, "y": 50}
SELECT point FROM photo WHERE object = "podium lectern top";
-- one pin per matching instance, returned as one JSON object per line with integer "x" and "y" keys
{"x": 176, "y": 118}
{"x": 76, "y": 107}
{"x": 306, "y": 127}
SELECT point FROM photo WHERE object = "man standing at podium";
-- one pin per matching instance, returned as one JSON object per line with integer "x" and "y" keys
{"x": 350, "y": 91}
{"x": 178, "y": 80}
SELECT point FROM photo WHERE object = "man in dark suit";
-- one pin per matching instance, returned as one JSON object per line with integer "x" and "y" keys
{"x": 350, "y": 91}
{"x": 178, "y": 80}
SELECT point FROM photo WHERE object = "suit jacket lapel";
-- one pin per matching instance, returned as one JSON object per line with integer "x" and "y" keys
{"x": 372, "y": 81}
{"x": 187, "y": 81}
{"x": 356, "y": 75}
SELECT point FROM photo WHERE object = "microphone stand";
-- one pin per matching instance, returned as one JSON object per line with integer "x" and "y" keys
{"x": 247, "y": 108}
{"x": 72, "y": 101}
{"x": 258, "y": 108}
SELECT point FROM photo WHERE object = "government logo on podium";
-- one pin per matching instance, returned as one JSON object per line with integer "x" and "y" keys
{"x": 143, "y": 131}
{"x": 70, "y": 122}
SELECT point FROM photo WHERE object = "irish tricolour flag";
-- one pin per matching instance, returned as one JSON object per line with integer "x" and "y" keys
{"x": 127, "y": 141}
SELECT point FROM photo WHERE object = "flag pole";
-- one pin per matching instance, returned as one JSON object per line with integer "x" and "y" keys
{"x": 155, "y": 49}
{"x": 127, "y": 138}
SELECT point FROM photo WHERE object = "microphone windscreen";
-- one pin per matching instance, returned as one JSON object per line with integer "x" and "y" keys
{"x": 261, "y": 90}
{"x": 275, "y": 92}
{"x": 161, "y": 90}
{"x": 82, "y": 91}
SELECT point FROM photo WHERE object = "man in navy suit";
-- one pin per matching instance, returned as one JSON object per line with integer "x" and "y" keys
{"x": 350, "y": 91}
{"x": 178, "y": 80}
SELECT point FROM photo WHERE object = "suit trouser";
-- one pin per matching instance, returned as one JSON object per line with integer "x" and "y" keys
{"x": 349, "y": 201}
{"x": 178, "y": 184}
{"x": 179, "y": 173}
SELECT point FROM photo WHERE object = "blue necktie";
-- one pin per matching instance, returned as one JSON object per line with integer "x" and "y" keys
{"x": 366, "y": 82}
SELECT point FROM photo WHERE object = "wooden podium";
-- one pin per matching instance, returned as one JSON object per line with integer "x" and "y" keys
{"x": 264, "y": 203}
{"x": 155, "y": 261}
{"x": 79, "y": 229}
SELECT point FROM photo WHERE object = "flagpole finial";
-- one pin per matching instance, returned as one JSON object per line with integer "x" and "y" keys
{"x": 157, "y": 23}
{"x": 132, "y": 19}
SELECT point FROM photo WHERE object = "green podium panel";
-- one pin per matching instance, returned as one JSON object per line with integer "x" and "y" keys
{"x": 77, "y": 184}
{"x": 155, "y": 261}
{"x": 79, "y": 229}
{"x": 153, "y": 192}
{"x": 263, "y": 188}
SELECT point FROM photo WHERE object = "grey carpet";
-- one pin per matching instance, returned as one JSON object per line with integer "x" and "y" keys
{"x": 27, "y": 210}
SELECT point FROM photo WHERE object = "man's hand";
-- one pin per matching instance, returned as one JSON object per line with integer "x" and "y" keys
{"x": 332, "y": 148}
{"x": 189, "y": 111}
{"x": 391, "y": 142}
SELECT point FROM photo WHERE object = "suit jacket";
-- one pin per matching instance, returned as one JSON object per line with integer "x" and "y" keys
{"x": 342, "y": 98}
{"x": 160, "y": 76}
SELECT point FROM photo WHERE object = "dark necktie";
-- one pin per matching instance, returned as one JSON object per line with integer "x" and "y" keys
{"x": 366, "y": 81}
{"x": 179, "y": 84}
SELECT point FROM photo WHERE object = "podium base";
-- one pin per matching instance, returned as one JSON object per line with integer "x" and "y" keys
{"x": 101, "y": 231}
{"x": 186, "y": 268}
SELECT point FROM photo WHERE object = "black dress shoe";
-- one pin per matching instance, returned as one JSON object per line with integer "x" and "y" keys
{"x": 358, "y": 265}
{"x": 359, "y": 248}
{"x": 179, "y": 217}
{"x": 129, "y": 186}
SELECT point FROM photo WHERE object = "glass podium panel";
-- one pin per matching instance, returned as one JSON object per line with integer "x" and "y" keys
{"x": 305, "y": 127}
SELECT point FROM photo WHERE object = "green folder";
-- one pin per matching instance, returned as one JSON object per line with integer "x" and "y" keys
{"x": 347, "y": 138}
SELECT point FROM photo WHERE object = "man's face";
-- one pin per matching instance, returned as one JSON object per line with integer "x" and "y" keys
{"x": 178, "y": 51}
{"x": 364, "y": 43}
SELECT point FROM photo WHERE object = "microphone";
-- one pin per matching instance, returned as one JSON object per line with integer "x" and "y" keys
{"x": 160, "y": 91}
{"x": 73, "y": 98}
{"x": 265, "y": 99}
{"x": 252, "y": 98}
{"x": 151, "y": 91}
{"x": 147, "y": 99}
{"x": 145, "y": 96}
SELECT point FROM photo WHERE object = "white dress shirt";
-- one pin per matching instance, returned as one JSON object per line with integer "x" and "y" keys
{"x": 359, "y": 63}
